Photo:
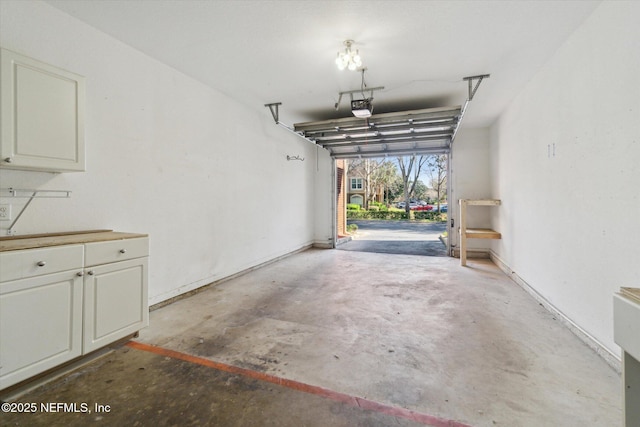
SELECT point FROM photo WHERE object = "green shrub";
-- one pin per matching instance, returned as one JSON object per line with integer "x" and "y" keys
{"x": 353, "y": 214}
{"x": 352, "y": 228}
{"x": 374, "y": 208}
{"x": 353, "y": 207}
{"x": 397, "y": 214}
{"x": 431, "y": 216}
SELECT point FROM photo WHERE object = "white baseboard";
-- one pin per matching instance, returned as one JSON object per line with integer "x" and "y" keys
{"x": 473, "y": 253}
{"x": 323, "y": 244}
{"x": 611, "y": 359}
{"x": 206, "y": 283}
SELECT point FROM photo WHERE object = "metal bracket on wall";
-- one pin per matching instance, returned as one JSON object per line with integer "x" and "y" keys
{"x": 472, "y": 89}
{"x": 30, "y": 194}
{"x": 472, "y": 92}
{"x": 273, "y": 107}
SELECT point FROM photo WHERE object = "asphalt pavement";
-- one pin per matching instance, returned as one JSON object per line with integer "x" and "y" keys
{"x": 397, "y": 237}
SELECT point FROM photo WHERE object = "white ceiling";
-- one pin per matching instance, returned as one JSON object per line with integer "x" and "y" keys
{"x": 266, "y": 51}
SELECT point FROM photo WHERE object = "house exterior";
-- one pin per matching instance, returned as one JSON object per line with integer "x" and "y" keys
{"x": 356, "y": 193}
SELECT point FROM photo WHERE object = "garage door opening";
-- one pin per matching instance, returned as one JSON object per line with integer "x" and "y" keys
{"x": 394, "y": 205}
{"x": 410, "y": 134}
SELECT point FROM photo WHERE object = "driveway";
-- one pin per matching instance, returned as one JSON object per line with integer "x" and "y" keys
{"x": 397, "y": 237}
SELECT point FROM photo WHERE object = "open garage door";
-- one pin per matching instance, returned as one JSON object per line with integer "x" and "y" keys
{"x": 380, "y": 224}
{"x": 427, "y": 131}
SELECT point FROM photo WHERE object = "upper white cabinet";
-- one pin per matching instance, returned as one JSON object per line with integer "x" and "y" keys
{"x": 41, "y": 114}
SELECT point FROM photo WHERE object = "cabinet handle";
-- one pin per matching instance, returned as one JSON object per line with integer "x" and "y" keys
{"x": 123, "y": 251}
{"x": 90, "y": 272}
{"x": 8, "y": 159}
{"x": 41, "y": 263}
{"x": 80, "y": 274}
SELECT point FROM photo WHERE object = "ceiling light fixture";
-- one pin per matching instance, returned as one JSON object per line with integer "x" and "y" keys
{"x": 349, "y": 59}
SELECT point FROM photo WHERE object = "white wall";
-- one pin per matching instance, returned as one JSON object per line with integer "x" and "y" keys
{"x": 470, "y": 177}
{"x": 205, "y": 177}
{"x": 571, "y": 221}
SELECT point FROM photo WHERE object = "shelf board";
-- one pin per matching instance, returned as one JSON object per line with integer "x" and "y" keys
{"x": 482, "y": 233}
{"x": 480, "y": 202}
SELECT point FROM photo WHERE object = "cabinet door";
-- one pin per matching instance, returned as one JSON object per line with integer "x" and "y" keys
{"x": 115, "y": 302}
{"x": 40, "y": 324}
{"x": 42, "y": 116}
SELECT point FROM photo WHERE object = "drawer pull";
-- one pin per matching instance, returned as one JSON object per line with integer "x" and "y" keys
{"x": 41, "y": 263}
{"x": 79, "y": 274}
{"x": 123, "y": 251}
{"x": 90, "y": 272}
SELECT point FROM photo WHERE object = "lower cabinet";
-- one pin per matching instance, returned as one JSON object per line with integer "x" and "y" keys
{"x": 49, "y": 316}
{"x": 115, "y": 302}
{"x": 40, "y": 325}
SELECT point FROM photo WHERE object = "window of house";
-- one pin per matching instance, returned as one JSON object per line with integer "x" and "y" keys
{"x": 356, "y": 183}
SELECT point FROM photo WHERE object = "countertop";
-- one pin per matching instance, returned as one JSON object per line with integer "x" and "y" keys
{"x": 632, "y": 293}
{"x": 14, "y": 243}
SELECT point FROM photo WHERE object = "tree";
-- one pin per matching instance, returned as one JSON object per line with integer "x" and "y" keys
{"x": 438, "y": 175}
{"x": 420, "y": 191}
{"x": 384, "y": 177}
{"x": 376, "y": 176}
{"x": 395, "y": 188}
{"x": 410, "y": 168}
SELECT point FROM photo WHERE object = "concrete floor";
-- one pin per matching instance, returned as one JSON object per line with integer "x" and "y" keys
{"x": 332, "y": 338}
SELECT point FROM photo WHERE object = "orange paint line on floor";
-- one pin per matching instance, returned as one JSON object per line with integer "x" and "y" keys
{"x": 366, "y": 404}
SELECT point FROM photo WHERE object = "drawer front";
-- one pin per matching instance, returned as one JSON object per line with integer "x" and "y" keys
{"x": 115, "y": 250}
{"x": 37, "y": 262}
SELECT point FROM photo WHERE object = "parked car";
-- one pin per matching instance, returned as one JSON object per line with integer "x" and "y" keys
{"x": 424, "y": 208}
{"x": 412, "y": 205}
{"x": 401, "y": 205}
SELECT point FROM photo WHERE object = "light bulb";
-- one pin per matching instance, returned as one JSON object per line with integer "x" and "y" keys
{"x": 352, "y": 66}
{"x": 356, "y": 58}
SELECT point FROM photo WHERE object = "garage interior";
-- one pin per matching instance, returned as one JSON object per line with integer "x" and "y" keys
{"x": 255, "y": 318}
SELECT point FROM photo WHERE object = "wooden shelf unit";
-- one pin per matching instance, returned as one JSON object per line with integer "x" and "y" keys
{"x": 474, "y": 233}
